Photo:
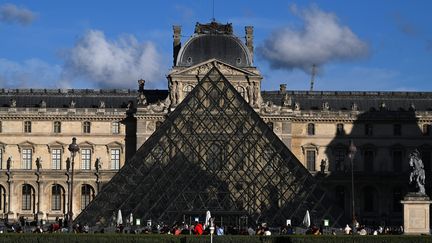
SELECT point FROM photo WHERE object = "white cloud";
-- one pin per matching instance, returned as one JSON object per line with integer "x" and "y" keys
{"x": 322, "y": 39}
{"x": 31, "y": 73}
{"x": 112, "y": 63}
{"x": 361, "y": 78}
{"x": 12, "y": 14}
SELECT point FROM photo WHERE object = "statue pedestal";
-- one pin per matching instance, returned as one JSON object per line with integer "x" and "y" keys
{"x": 10, "y": 217}
{"x": 416, "y": 214}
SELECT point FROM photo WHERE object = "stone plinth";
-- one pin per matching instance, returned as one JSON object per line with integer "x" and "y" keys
{"x": 416, "y": 214}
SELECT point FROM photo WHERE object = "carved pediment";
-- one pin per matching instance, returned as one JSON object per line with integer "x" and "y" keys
{"x": 87, "y": 144}
{"x": 114, "y": 144}
{"x": 204, "y": 67}
{"x": 56, "y": 144}
{"x": 26, "y": 144}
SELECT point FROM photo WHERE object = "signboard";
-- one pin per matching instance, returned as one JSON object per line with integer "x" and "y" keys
{"x": 288, "y": 222}
{"x": 326, "y": 222}
{"x": 138, "y": 221}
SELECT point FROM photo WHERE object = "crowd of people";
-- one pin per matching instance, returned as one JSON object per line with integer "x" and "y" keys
{"x": 195, "y": 228}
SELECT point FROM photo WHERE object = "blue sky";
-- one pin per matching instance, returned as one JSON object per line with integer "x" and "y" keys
{"x": 383, "y": 45}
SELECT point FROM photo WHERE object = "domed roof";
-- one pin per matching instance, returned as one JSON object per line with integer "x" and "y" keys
{"x": 209, "y": 42}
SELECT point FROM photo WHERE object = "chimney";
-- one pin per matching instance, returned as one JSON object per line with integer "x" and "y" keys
{"x": 282, "y": 88}
{"x": 249, "y": 40}
{"x": 176, "y": 42}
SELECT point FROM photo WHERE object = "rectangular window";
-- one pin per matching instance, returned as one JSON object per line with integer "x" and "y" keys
{"x": 56, "y": 198}
{"x": 26, "y": 197}
{"x": 56, "y": 159}
{"x": 115, "y": 159}
{"x": 397, "y": 129}
{"x": 369, "y": 160}
{"x": 340, "y": 129}
{"x": 397, "y": 161}
{"x": 426, "y": 129}
{"x": 1, "y": 127}
{"x": 310, "y": 160}
{"x": 340, "y": 159}
{"x": 85, "y": 159}
{"x": 368, "y": 129}
{"x": 27, "y": 127}
{"x": 86, "y": 127}
{"x": 26, "y": 159}
{"x": 86, "y": 192}
{"x": 57, "y": 127}
{"x": 115, "y": 127}
{"x": 1, "y": 160}
{"x": 311, "y": 129}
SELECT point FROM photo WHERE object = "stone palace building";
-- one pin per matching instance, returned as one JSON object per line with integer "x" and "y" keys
{"x": 37, "y": 126}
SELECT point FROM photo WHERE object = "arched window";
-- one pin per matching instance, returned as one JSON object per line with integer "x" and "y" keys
{"x": 57, "y": 197}
{"x": 311, "y": 129}
{"x": 87, "y": 194}
{"x": 27, "y": 197}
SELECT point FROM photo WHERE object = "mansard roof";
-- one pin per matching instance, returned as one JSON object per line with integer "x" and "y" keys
{"x": 308, "y": 100}
{"x": 83, "y": 98}
{"x": 365, "y": 100}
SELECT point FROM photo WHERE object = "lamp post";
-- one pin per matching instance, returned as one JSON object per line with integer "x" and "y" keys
{"x": 212, "y": 230}
{"x": 73, "y": 148}
{"x": 351, "y": 155}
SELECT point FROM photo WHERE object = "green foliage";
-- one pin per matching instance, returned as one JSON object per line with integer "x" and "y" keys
{"x": 129, "y": 238}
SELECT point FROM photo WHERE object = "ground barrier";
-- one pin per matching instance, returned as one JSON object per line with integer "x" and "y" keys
{"x": 130, "y": 238}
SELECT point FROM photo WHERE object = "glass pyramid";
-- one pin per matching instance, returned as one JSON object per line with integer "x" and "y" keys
{"x": 213, "y": 152}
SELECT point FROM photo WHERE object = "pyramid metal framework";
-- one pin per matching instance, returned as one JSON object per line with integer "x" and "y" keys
{"x": 213, "y": 152}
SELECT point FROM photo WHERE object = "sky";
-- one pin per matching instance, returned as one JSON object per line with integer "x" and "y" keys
{"x": 383, "y": 45}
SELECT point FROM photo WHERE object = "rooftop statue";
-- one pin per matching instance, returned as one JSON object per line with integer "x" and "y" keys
{"x": 417, "y": 175}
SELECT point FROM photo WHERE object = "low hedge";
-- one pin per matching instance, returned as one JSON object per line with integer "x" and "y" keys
{"x": 126, "y": 238}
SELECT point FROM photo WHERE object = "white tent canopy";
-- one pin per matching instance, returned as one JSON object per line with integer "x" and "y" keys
{"x": 119, "y": 218}
{"x": 306, "y": 219}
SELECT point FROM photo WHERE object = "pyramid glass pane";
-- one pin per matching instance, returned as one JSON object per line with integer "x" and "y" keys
{"x": 213, "y": 152}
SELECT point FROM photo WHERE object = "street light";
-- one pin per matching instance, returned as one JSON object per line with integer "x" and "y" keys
{"x": 351, "y": 155}
{"x": 73, "y": 148}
